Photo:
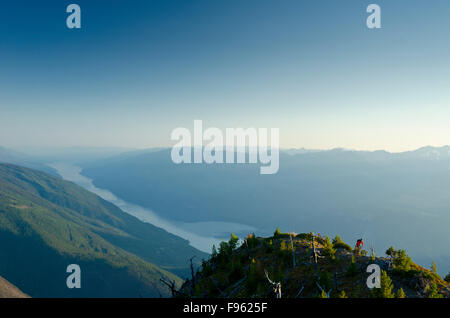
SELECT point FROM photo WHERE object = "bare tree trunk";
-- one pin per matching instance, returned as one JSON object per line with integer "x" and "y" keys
{"x": 192, "y": 272}
{"x": 276, "y": 286}
{"x": 247, "y": 248}
{"x": 315, "y": 255}
{"x": 293, "y": 252}
{"x": 300, "y": 291}
{"x": 336, "y": 282}
{"x": 372, "y": 253}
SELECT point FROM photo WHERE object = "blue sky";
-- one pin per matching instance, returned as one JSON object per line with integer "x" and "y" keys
{"x": 138, "y": 69}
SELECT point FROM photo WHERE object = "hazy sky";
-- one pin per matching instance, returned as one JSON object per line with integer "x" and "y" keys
{"x": 138, "y": 69}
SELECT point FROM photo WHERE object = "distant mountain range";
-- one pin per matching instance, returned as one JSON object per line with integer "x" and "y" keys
{"x": 388, "y": 198}
{"x": 47, "y": 223}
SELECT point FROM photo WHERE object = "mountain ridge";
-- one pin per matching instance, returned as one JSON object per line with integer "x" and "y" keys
{"x": 309, "y": 266}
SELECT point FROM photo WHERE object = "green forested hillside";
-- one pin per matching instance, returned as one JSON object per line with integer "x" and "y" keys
{"x": 47, "y": 223}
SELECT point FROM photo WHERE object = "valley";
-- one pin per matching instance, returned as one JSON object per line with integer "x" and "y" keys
{"x": 384, "y": 197}
{"x": 201, "y": 235}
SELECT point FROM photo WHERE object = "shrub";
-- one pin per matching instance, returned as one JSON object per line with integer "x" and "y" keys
{"x": 252, "y": 241}
{"x": 285, "y": 252}
{"x": 277, "y": 232}
{"x": 337, "y": 239}
{"x": 325, "y": 280}
{"x": 214, "y": 252}
{"x": 338, "y": 243}
{"x": 328, "y": 249}
{"x": 253, "y": 278}
{"x": 304, "y": 236}
{"x": 224, "y": 249}
{"x": 206, "y": 268}
{"x": 342, "y": 294}
{"x": 390, "y": 251}
{"x": 400, "y": 293}
{"x": 224, "y": 253}
{"x": 323, "y": 294}
{"x": 269, "y": 246}
{"x": 433, "y": 291}
{"x": 352, "y": 270}
{"x": 386, "y": 286}
{"x": 447, "y": 278}
{"x": 233, "y": 242}
{"x": 236, "y": 272}
{"x": 402, "y": 262}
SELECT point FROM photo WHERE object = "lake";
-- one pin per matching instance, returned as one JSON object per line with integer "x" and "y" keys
{"x": 201, "y": 235}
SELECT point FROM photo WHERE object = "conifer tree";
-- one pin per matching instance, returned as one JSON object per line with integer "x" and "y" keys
{"x": 342, "y": 294}
{"x": 402, "y": 262}
{"x": 323, "y": 294}
{"x": 328, "y": 248}
{"x": 447, "y": 278}
{"x": 434, "y": 267}
{"x": 253, "y": 277}
{"x": 337, "y": 239}
{"x": 352, "y": 270}
{"x": 386, "y": 286}
{"x": 433, "y": 291}
{"x": 214, "y": 252}
{"x": 233, "y": 241}
{"x": 400, "y": 293}
{"x": 277, "y": 232}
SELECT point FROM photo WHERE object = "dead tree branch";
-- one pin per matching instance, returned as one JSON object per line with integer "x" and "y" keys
{"x": 276, "y": 286}
{"x": 172, "y": 287}
{"x": 323, "y": 290}
{"x": 299, "y": 292}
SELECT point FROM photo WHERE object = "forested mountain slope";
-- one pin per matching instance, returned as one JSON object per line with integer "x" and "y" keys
{"x": 47, "y": 223}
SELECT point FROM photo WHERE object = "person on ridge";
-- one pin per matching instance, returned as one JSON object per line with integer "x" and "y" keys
{"x": 359, "y": 244}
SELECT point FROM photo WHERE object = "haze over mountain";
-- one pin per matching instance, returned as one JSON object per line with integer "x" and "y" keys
{"x": 72, "y": 154}
{"x": 387, "y": 198}
{"x": 47, "y": 223}
{"x": 16, "y": 157}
